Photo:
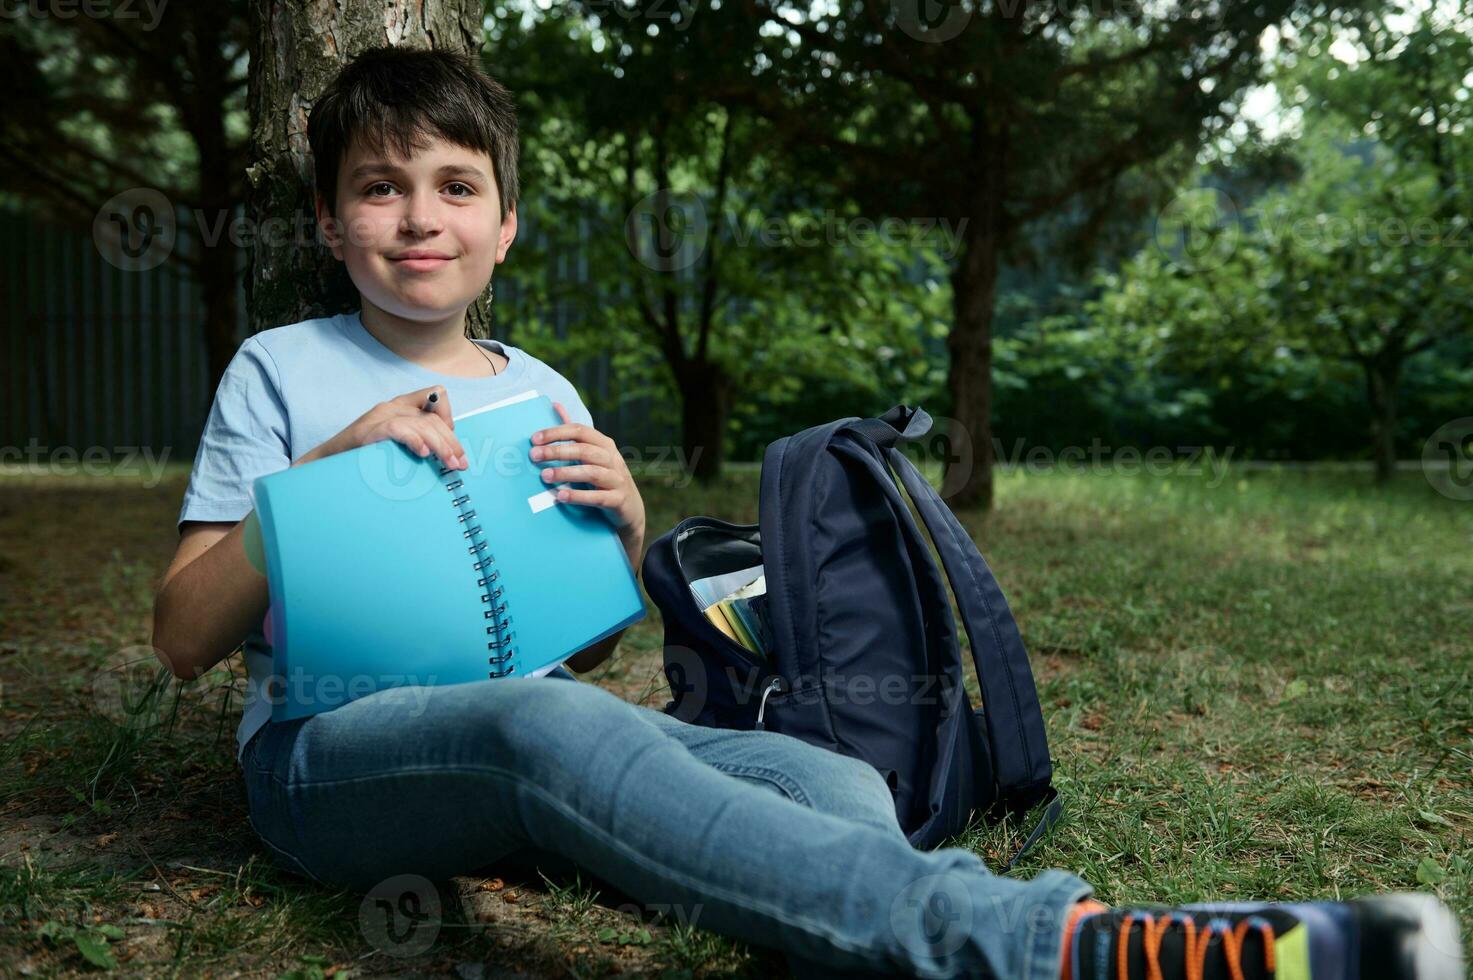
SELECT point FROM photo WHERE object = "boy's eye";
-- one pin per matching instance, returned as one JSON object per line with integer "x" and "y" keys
{"x": 469, "y": 190}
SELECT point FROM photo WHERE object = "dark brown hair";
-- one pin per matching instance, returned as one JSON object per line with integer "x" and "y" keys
{"x": 399, "y": 96}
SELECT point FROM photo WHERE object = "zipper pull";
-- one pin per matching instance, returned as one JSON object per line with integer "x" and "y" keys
{"x": 775, "y": 684}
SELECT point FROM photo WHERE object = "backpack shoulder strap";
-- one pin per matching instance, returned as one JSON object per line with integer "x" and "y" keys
{"x": 1010, "y": 708}
{"x": 1014, "y": 718}
{"x": 1009, "y": 696}
{"x": 899, "y": 424}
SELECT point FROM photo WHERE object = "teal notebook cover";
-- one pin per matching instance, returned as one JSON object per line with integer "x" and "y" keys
{"x": 385, "y": 569}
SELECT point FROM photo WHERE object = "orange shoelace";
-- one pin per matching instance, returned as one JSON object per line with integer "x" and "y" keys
{"x": 1196, "y": 945}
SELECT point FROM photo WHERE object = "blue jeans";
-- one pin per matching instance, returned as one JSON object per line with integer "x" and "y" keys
{"x": 769, "y": 839}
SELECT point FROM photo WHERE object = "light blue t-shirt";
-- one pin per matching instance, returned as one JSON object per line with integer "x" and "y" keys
{"x": 289, "y": 389}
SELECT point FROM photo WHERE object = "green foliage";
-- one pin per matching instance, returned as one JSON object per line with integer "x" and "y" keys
{"x": 1355, "y": 274}
{"x": 775, "y": 288}
{"x": 768, "y": 119}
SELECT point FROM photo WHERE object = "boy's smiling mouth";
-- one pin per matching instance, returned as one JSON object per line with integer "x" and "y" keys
{"x": 420, "y": 260}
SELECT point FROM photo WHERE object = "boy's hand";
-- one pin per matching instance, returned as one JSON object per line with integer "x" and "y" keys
{"x": 599, "y": 462}
{"x": 404, "y": 420}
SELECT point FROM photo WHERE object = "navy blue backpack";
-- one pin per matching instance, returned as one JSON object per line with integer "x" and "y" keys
{"x": 864, "y": 654}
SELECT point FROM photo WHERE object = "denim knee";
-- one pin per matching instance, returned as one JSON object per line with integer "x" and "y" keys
{"x": 545, "y": 724}
{"x": 823, "y": 780}
{"x": 866, "y": 794}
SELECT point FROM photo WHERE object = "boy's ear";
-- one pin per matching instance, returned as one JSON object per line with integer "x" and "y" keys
{"x": 331, "y": 228}
{"x": 508, "y": 234}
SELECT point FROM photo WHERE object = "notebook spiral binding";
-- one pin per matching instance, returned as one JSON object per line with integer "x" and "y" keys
{"x": 500, "y": 631}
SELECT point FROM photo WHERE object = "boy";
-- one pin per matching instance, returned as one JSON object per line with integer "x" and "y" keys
{"x": 768, "y": 838}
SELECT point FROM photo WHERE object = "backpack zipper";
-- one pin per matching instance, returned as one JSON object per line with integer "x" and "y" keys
{"x": 775, "y": 684}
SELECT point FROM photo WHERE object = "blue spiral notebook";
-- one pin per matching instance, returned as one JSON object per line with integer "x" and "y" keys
{"x": 387, "y": 569}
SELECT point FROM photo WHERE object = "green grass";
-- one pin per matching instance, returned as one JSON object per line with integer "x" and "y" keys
{"x": 1259, "y": 689}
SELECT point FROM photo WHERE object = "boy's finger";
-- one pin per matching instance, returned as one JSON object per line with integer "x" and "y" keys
{"x": 447, "y": 445}
{"x": 589, "y": 498}
{"x": 586, "y": 452}
{"x": 598, "y": 476}
{"x": 431, "y": 432}
{"x": 562, "y": 414}
{"x": 571, "y": 430}
{"x": 419, "y": 400}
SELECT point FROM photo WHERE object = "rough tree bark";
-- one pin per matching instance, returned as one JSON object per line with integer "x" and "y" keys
{"x": 297, "y": 48}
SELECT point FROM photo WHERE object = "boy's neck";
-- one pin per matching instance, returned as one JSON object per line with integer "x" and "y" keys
{"x": 425, "y": 342}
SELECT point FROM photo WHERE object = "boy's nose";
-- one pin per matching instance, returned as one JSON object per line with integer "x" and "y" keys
{"x": 420, "y": 220}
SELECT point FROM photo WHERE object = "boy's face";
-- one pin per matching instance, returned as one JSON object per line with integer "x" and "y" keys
{"x": 442, "y": 203}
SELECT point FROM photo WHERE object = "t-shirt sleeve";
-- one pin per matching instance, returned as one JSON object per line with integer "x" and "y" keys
{"x": 560, "y": 389}
{"x": 246, "y": 436}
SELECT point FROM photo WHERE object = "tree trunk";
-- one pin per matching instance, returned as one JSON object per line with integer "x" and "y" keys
{"x": 298, "y": 49}
{"x": 969, "y": 377}
{"x": 218, "y": 186}
{"x": 1382, "y": 376}
{"x": 705, "y": 402}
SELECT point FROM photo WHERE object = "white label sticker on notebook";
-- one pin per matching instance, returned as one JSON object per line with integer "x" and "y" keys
{"x": 541, "y": 501}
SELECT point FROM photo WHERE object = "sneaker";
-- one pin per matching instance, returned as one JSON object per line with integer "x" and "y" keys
{"x": 1381, "y": 937}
